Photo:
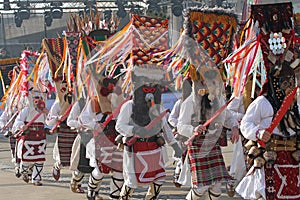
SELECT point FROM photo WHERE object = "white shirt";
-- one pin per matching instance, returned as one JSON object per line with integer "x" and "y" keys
{"x": 53, "y": 114}
{"x": 259, "y": 116}
{"x": 3, "y": 119}
{"x": 88, "y": 118}
{"x": 236, "y": 107}
{"x": 72, "y": 120}
{"x": 25, "y": 115}
{"x": 187, "y": 110}
{"x": 173, "y": 117}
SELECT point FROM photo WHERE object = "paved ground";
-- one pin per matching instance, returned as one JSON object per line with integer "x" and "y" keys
{"x": 14, "y": 188}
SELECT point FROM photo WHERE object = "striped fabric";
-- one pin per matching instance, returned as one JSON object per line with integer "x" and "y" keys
{"x": 206, "y": 160}
{"x": 66, "y": 137}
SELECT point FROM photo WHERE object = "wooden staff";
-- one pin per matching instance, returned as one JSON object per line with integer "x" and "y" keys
{"x": 64, "y": 116}
{"x": 10, "y": 121}
{"x": 28, "y": 124}
{"x": 217, "y": 113}
{"x": 132, "y": 140}
{"x": 40, "y": 106}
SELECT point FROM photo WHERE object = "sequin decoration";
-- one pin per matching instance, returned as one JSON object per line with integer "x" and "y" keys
{"x": 277, "y": 43}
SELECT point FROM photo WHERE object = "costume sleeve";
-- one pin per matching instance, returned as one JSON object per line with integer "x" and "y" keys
{"x": 230, "y": 120}
{"x": 72, "y": 119}
{"x": 20, "y": 120}
{"x": 3, "y": 119}
{"x": 88, "y": 118}
{"x": 258, "y": 117}
{"x": 167, "y": 132}
{"x": 184, "y": 125}
{"x": 236, "y": 107}
{"x": 173, "y": 117}
{"x": 123, "y": 122}
{"x": 52, "y": 117}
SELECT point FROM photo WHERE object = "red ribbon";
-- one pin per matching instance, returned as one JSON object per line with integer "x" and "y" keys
{"x": 65, "y": 115}
{"x": 132, "y": 140}
{"x": 28, "y": 124}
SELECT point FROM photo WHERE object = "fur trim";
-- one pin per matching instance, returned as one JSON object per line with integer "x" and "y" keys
{"x": 215, "y": 10}
{"x": 151, "y": 72}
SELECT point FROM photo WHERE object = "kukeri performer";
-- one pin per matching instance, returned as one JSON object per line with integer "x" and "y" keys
{"x": 272, "y": 120}
{"x": 101, "y": 150}
{"x": 31, "y": 136}
{"x": 204, "y": 164}
{"x": 7, "y": 118}
{"x": 65, "y": 135}
{"x": 275, "y": 168}
{"x": 143, "y": 162}
{"x": 237, "y": 166}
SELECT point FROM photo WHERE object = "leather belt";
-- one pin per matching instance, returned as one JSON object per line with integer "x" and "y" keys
{"x": 282, "y": 148}
{"x": 282, "y": 143}
{"x": 279, "y": 137}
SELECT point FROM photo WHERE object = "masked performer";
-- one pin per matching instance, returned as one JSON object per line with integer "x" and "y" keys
{"x": 143, "y": 162}
{"x": 205, "y": 161}
{"x": 101, "y": 150}
{"x": 275, "y": 169}
{"x": 274, "y": 154}
{"x": 65, "y": 135}
{"x": 32, "y": 137}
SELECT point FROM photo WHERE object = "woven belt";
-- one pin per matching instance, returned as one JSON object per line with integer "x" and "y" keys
{"x": 150, "y": 139}
{"x": 35, "y": 128}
